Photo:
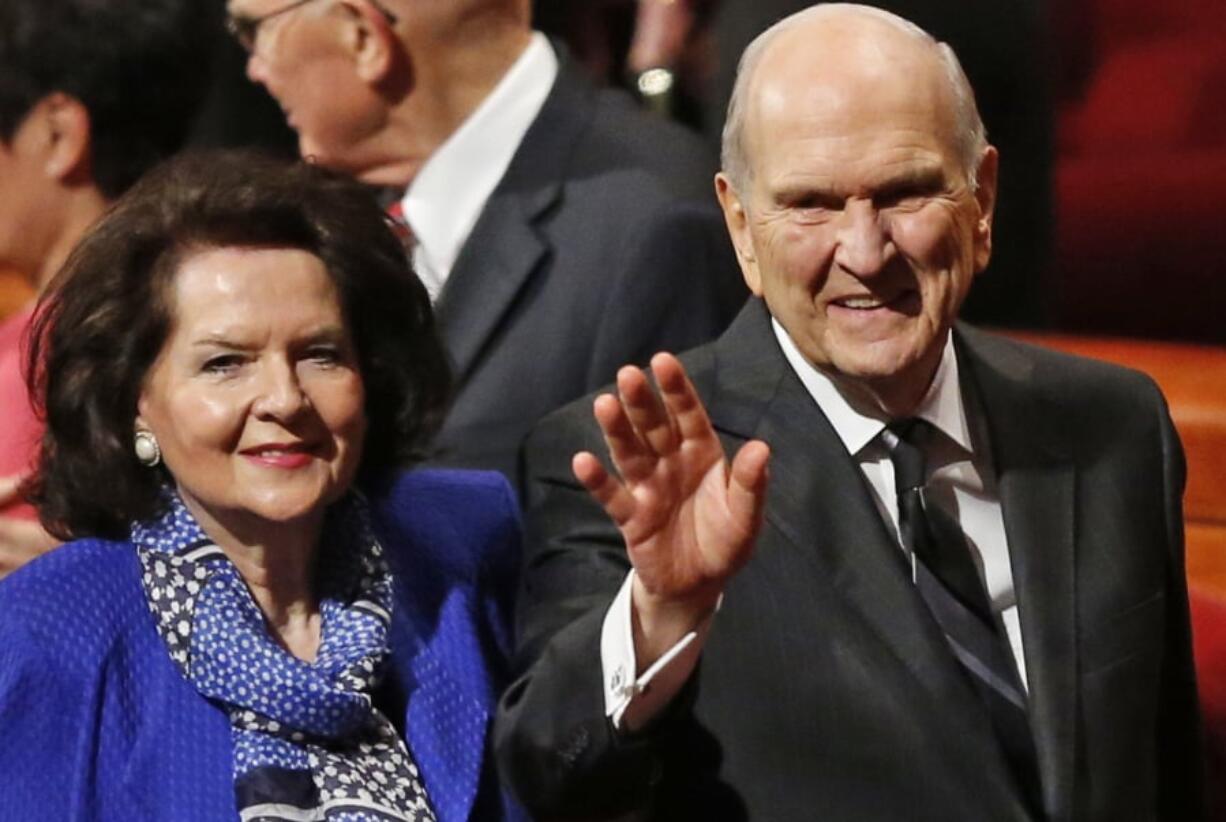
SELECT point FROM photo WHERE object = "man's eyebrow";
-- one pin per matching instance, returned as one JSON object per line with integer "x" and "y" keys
{"x": 927, "y": 179}
{"x": 923, "y": 180}
{"x": 817, "y": 192}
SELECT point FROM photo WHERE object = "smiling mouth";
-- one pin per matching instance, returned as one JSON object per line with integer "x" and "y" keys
{"x": 870, "y": 302}
{"x": 280, "y": 455}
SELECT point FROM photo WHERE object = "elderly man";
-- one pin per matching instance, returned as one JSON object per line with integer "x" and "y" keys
{"x": 91, "y": 95}
{"x": 560, "y": 231}
{"x": 959, "y": 594}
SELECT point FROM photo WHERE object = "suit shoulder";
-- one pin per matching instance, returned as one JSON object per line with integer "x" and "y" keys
{"x": 451, "y": 517}
{"x": 448, "y": 486}
{"x": 564, "y": 430}
{"x": 1095, "y": 410}
{"x": 76, "y": 600}
{"x": 622, "y": 137}
{"x": 1070, "y": 378}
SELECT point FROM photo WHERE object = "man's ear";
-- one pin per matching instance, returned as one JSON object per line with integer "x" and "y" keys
{"x": 736, "y": 218}
{"x": 371, "y": 39}
{"x": 64, "y": 133}
{"x": 985, "y": 195}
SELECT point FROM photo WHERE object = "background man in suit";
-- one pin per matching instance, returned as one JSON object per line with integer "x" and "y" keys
{"x": 1025, "y": 655}
{"x": 560, "y": 231}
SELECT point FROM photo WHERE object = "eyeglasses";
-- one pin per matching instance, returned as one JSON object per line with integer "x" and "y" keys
{"x": 246, "y": 29}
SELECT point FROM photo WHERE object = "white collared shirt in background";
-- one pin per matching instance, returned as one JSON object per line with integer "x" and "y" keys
{"x": 962, "y": 481}
{"x": 446, "y": 197}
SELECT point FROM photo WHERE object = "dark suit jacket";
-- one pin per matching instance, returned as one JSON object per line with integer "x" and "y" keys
{"x": 601, "y": 245}
{"x": 825, "y": 690}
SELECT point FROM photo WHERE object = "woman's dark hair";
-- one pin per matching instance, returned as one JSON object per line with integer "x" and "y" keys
{"x": 104, "y": 319}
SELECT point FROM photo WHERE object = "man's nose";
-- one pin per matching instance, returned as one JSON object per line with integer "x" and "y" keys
{"x": 279, "y": 393}
{"x": 864, "y": 244}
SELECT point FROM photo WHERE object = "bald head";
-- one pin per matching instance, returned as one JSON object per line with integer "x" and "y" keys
{"x": 850, "y": 56}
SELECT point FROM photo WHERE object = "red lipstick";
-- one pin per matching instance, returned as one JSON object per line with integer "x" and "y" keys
{"x": 287, "y": 456}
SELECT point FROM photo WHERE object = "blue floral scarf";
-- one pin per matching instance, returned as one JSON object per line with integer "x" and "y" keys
{"x": 308, "y": 742}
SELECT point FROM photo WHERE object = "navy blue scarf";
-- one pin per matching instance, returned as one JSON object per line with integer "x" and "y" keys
{"x": 308, "y": 742}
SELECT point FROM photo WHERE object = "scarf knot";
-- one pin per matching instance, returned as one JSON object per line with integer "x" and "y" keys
{"x": 308, "y": 741}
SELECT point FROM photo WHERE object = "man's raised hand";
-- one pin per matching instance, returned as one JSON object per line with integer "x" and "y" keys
{"x": 689, "y": 518}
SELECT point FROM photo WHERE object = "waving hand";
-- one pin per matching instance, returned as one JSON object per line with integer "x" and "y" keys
{"x": 689, "y": 518}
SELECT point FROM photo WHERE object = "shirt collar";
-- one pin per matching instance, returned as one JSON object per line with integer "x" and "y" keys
{"x": 858, "y": 426}
{"x": 444, "y": 200}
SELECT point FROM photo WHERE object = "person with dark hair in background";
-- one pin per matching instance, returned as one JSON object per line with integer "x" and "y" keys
{"x": 560, "y": 231}
{"x": 237, "y": 629}
{"x": 958, "y": 593}
{"x": 92, "y": 94}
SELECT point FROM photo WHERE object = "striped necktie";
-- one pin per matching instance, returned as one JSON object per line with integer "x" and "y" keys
{"x": 950, "y": 585}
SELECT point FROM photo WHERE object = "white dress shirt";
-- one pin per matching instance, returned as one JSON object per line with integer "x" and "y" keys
{"x": 446, "y": 197}
{"x": 961, "y": 480}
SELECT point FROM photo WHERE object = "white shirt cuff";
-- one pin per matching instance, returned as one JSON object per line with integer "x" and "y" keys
{"x": 630, "y": 701}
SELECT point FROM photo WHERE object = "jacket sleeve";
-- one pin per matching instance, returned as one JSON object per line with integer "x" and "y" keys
{"x": 1181, "y": 774}
{"x": 554, "y": 743}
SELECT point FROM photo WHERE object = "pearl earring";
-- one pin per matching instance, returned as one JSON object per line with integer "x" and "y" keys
{"x": 147, "y": 450}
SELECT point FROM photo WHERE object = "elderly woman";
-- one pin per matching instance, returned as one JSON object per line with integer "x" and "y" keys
{"x": 237, "y": 629}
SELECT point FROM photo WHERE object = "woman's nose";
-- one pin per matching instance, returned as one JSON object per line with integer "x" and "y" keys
{"x": 280, "y": 393}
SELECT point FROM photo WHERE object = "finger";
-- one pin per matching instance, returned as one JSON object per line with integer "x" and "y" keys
{"x": 684, "y": 406}
{"x": 647, "y": 414}
{"x": 632, "y": 457}
{"x": 747, "y": 481}
{"x": 604, "y": 487}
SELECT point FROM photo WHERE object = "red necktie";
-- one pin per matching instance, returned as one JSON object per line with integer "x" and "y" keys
{"x": 400, "y": 225}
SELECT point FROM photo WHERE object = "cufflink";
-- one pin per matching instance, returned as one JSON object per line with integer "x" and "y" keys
{"x": 617, "y": 682}
{"x": 623, "y": 686}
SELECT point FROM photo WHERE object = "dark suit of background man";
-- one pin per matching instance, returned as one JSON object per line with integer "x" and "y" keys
{"x": 561, "y": 231}
{"x": 1001, "y": 636}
